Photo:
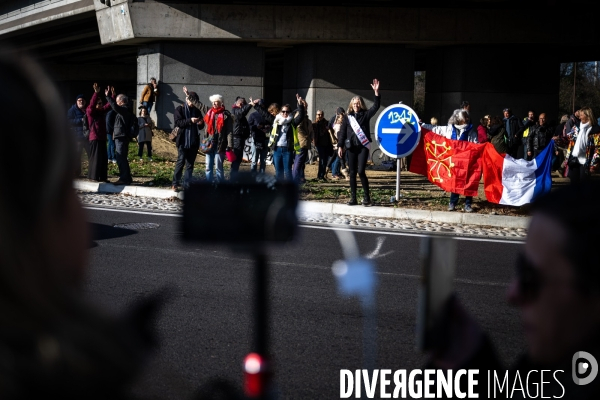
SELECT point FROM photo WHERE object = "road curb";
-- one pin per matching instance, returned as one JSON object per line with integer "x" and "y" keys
{"x": 456, "y": 217}
{"x": 140, "y": 191}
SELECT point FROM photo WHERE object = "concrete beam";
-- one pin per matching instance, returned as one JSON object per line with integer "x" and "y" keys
{"x": 127, "y": 20}
{"x": 42, "y": 12}
{"x": 114, "y": 22}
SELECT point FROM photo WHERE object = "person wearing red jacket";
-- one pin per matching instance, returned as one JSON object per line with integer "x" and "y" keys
{"x": 96, "y": 115}
{"x": 482, "y": 130}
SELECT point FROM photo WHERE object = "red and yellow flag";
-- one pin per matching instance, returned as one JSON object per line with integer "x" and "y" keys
{"x": 453, "y": 165}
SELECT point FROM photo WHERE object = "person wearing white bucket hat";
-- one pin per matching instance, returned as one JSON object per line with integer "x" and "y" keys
{"x": 219, "y": 128}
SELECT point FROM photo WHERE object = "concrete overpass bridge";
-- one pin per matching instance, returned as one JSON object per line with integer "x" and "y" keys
{"x": 494, "y": 53}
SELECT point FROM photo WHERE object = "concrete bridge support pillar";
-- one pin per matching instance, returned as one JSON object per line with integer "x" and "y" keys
{"x": 228, "y": 69}
{"x": 329, "y": 75}
{"x": 491, "y": 78}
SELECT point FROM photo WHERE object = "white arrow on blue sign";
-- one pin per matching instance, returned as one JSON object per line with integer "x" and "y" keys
{"x": 397, "y": 131}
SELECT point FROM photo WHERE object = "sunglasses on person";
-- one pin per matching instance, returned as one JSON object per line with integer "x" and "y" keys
{"x": 529, "y": 278}
{"x": 285, "y": 111}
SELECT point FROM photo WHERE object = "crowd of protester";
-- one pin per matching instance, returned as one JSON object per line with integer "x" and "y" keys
{"x": 102, "y": 130}
{"x": 574, "y": 139}
{"x": 526, "y": 138}
{"x": 105, "y": 127}
{"x": 288, "y": 133}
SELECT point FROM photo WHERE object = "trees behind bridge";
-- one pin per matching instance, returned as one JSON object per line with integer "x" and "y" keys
{"x": 579, "y": 86}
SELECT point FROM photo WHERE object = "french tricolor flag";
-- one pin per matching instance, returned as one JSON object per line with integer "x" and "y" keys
{"x": 516, "y": 182}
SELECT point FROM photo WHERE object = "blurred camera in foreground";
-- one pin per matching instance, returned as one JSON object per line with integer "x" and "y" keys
{"x": 249, "y": 210}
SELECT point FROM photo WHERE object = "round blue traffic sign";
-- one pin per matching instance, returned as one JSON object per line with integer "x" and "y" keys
{"x": 397, "y": 131}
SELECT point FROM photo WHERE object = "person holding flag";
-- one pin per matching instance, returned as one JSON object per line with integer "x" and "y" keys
{"x": 355, "y": 137}
{"x": 451, "y": 159}
{"x": 459, "y": 128}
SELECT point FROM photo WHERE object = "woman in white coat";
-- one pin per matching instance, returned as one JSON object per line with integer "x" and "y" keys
{"x": 459, "y": 128}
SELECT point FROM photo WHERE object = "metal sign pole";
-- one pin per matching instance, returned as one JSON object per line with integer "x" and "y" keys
{"x": 398, "y": 162}
{"x": 398, "y": 133}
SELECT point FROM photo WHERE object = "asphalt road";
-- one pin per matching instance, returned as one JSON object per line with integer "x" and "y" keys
{"x": 206, "y": 327}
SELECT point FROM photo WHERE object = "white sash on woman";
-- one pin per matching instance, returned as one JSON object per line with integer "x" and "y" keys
{"x": 359, "y": 132}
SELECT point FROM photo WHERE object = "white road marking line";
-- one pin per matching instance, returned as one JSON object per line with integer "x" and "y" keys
{"x": 284, "y": 264}
{"x": 473, "y": 239}
{"x": 156, "y": 214}
{"x": 375, "y": 253}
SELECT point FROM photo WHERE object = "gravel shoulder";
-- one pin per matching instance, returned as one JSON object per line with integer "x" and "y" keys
{"x": 147, "y": 204}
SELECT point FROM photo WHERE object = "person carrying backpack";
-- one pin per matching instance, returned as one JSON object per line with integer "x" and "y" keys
{"x": 125, "y": 129}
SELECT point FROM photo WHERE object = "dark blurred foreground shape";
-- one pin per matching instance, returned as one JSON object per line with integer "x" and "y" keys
{"x": 557, "y": 291}
{"x": 250, "y": 210}
{"x": 53, "y": 343}
{"x": 247, "y": 213}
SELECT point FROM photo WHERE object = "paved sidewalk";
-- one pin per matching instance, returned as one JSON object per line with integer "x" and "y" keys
{"x": 320, "y": 208}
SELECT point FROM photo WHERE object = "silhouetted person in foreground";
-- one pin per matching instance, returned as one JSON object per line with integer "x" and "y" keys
{"x": 53, "y": 343}
{"x": 557, "y": 292}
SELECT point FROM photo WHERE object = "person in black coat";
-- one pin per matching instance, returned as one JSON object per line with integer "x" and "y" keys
{"x": 123, "y": 121}
{"x": 349, "y": 141}
{"x": 75, "y": 117}
{"x": 110, "y": 127}
{"x": 260, "y": 130}
{"x": 539, "y": 137}
{"x": 572, "y": 121}
{"x": 497, "y": 134}
{"x": 514, "y": 132}
{"x": 241, "y": 131}
{"x": 189, "y": 120}
{"x": 560, "y": 144}
{"x": 323, "y": 143}
{"x": 528, "y": 124}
